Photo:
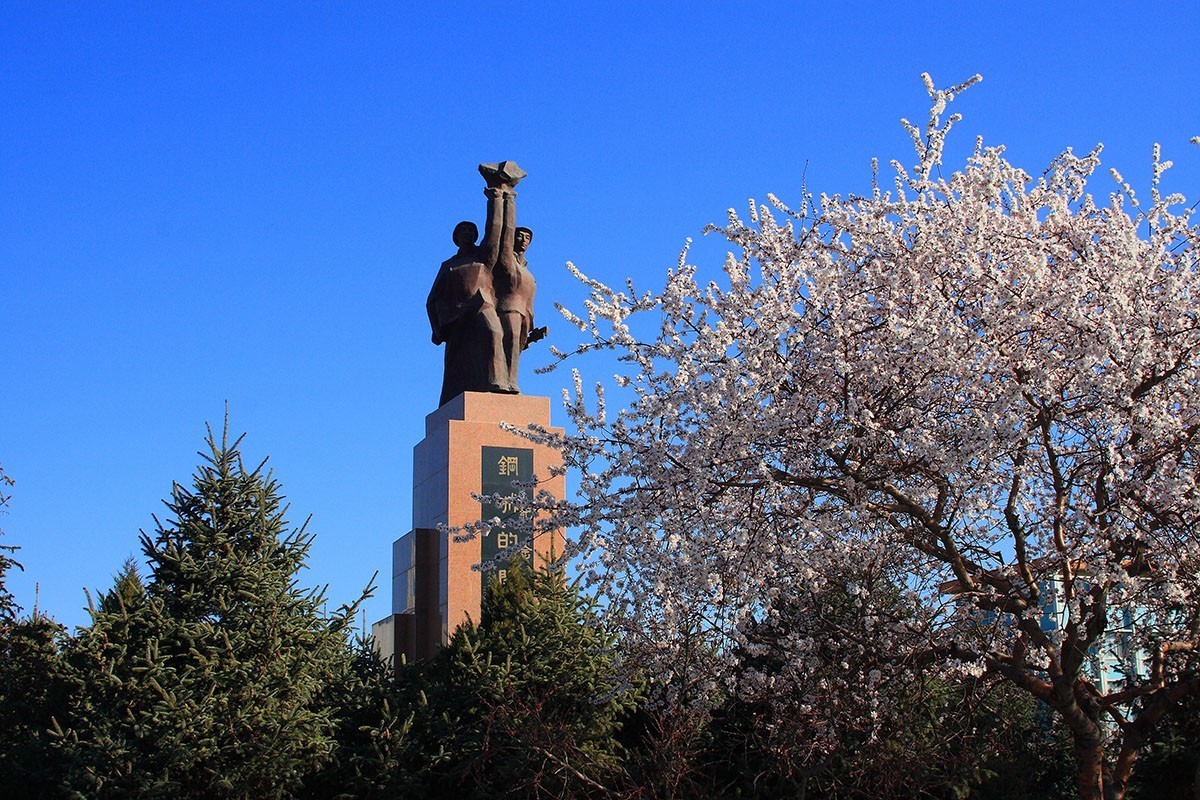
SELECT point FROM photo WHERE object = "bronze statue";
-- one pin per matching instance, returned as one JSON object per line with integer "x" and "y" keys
{"x": 481, "y": 303}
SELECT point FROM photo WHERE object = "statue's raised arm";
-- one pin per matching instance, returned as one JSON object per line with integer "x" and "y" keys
{"x": 514, "y": 283}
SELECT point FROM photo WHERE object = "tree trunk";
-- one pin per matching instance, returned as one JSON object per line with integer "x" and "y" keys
{"x": 1089, "y": 760}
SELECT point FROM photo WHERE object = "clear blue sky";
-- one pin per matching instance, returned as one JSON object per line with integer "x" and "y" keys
{"x": 205, "y": 203}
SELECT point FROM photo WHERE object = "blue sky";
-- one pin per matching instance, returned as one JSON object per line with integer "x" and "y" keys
{"x": 211, "y": 204}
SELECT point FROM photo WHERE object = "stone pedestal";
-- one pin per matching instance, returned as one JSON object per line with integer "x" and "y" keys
{"x": 436, "y": 581}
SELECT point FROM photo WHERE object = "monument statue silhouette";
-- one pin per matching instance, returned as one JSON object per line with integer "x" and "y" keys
{"x": 481, "y": 302}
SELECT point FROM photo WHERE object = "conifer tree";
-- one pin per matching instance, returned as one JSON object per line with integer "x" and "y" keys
{"x": 524, "y": 703}
{"x": 207, "y": 680}
{"x": 123, "y": 735}
{"x": 34, "y": 686}
{"x": 35, "y": 689}
{"x": 372, "y": 714}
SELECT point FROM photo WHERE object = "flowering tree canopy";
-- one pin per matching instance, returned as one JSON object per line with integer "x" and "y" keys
{"x": 960, "y": 402}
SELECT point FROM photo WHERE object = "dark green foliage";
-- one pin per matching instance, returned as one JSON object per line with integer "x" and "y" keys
{"x": 114, "y": 732}
{"x": 1031, "y": 751}
{"x": 1169, "y": 769}
{"x": 36, "y": 687}
{"x": 955, "y": 740}
{"x": 679, "y": 751}
{"x": 372, "y": 716}
{"x": 209, "y": 679}
{"x": 525, "y": 703}
{"x": 950, "y": 742}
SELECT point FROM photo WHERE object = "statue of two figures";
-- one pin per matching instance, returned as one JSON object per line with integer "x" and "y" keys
{"x": 481, "y": 303}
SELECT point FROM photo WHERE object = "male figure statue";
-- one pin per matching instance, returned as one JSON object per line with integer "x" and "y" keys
{"x": 514, "y": 283}
{"x": 515, "y": 289}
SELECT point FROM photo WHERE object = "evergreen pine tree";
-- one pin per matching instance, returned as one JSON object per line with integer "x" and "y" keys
{"x": 372, "y": 714}
{"x": 35, "y": 689}
{"x": 34, "y": 686}
{"x": 208, "y": 680}
{"x": 524, "y": 703}
{"x": 123, "y": 736}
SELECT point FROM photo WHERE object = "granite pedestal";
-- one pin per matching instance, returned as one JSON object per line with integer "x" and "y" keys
{"x": 436, "y": 581}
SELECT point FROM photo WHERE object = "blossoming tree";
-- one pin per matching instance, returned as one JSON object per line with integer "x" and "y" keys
{"x": 981, "y": 391}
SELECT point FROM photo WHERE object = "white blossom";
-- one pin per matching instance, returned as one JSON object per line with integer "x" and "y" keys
{"x": 944, "y": 403}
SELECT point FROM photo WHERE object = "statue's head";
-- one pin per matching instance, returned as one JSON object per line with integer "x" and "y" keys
{"x": 465, "y": 234}
{"x": 521, "y": 239}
